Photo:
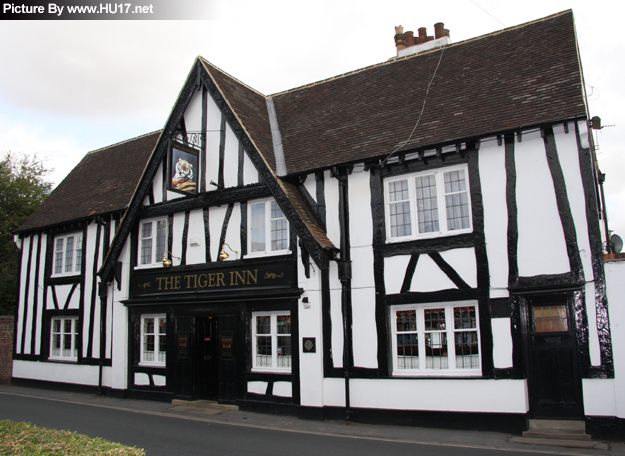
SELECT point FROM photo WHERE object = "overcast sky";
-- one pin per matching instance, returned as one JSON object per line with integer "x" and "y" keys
{"x": 68, "y": 87}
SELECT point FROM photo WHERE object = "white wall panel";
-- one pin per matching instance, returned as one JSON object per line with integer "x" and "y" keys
{"x": 196, "y": 254}
{"x": 56, "y": 372}
{"x": 541, "y": 246}
{"x": 331, "y": 191}
{"x": 614, "y": 274}
{"x": 193, "y": 113}
{"x": 250, "y": 173}
{"x": 360, "y": 224}
{"x": 213, "y": 122}
{"x": 311, "y": 186}
{"x": 178, "y": 228}
{"x": 394, "y": 272}
{"x": 464, "y": 263}
{"x": 502, "y": 343}
{"x": 364, "y": 331}
{"x": 429, "y": 277}
{"x": 497, "y": 396}
{"x": 157, "y": 185}
{"x": 492, "y": 166}
{"x": 231, "y": 159}
{"x": 43, "y": 239}
{"x": 283, "y": 389}
{"x": 599, "y": 397}
{"x": 21, "y": 305}
{"x": 257, "y": 387}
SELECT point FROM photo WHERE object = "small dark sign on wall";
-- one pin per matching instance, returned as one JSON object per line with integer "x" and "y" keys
{"x": 226, "y": 345}
{"x": 169, "y": 280}
{"x": 183, "y": 345}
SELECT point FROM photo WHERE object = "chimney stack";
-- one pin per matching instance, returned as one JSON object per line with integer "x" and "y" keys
{"x": 406, "y": 43}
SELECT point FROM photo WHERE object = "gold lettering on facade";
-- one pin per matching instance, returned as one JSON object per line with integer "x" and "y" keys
{"x": 145, "y": 285}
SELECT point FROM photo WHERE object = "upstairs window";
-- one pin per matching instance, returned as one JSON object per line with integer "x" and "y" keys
{"x": 428, "y": 204}
{"x": 436, "y": 339}
{"x": 68, "y": 254}
{"x": 269, "y": 228}
{"x": 152, "y": 241}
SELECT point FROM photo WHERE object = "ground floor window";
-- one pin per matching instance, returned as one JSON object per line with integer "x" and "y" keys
{"x": 64, "y": 339}
{"x": 153, "y": 340}
{"x": 436, "y": 339}
{"x": 271, "y": 341}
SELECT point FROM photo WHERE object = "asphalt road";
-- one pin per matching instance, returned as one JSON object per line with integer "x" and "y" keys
{"x": 160, "y": 432}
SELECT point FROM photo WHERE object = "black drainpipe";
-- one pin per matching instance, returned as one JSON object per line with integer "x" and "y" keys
{"x": 345, "y": 276}
{"x": 608, "y": 244}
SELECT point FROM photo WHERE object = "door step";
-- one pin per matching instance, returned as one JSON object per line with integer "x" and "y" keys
{"x": 205, "y": 404}
{"x": 563, "y": 433}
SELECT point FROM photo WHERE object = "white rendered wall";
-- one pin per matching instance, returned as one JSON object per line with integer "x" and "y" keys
{"x": 196, "y": 254}
{"x": 492, "y": 167}
{"x": 213, "y": 123}
{"x": 615, "y": 283}
{"x": 502, "y": 343}
{"x": 119, "y": 326}
{"x": 310, "y": 325}
{"x": 311, "y": 186}
{"x": 89, "y": 260}
{"x": 56, "y": 372}
{"x": 21, "y": 304}
{"x": 331, "y": 193}
{"x": 394, "y": 272}
{"x": 157, "y": 185}
{"x": 364, "y": 331}
{"x": 43, "y": 239}
{"x": 250, "y": 174}
{"x": 193, "y": 113}
{"x": 231, "y": 159}
{"x": 541, "y": 245}
{"x": 494, "y": 396}
{"x": 176, "y": 246}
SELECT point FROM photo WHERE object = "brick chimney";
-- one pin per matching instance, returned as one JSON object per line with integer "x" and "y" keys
{"x": 407, "y": 44}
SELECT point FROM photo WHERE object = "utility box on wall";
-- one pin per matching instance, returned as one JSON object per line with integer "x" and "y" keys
{"x": 6, "y": 349}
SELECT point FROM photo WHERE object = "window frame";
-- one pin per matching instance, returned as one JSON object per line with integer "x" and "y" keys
{"x": 157, "y": 260}
{"x": 267, "y": 229}
{"x": 157, "y": 341}
{"x": 62, "y": 333}
{"x": 420, "y": 330}
{"x": 273, "y": 336}
{"x": 439, "y": 176}
{"x": 77, "y": 237}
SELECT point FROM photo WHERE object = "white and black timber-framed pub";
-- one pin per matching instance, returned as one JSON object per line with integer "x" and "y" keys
{"x": 415, "y": 242}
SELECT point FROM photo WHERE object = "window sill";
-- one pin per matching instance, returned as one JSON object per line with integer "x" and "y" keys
{"x": 261, "y": 370}
{"x": 438, "y": 234}
{"x": 438, "y": 375}
{"x": 149, "y": 364}
{"x": 267, "y": 254}
{"x": 58, "y": 359}
{"x": 65, "y": 274}
{"x": 149, "y": 266}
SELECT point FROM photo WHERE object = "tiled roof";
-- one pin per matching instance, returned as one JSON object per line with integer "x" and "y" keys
{"x": 102, "y": 182}
{"x": 521, "y": 76}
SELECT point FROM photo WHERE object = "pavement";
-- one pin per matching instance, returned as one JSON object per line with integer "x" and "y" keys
{"x": 230, "y": 415}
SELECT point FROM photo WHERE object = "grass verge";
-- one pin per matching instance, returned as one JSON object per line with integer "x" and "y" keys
{"x": 27, "y": 439}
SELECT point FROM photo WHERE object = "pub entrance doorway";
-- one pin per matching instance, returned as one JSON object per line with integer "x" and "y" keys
{"x": 205, "y": 361}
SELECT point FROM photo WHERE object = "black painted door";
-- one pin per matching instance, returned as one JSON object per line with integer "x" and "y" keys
{"x": 183, "y": 349}
{"x": 207, "y": 358}
{"x": 554, "y": 383}
{"x": 227, "y": 359}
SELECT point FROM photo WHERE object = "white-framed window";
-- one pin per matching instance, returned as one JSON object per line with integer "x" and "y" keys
{"x": 153, "y": 340}
{"x": 268, "y": 228}
{"x": 152, "y": 241}
{"x": 64, "y": 338}
{"x": 436, "y": 339}
{"x": 67, "y": 254}
{"x": 430, "y": 203}
{"x": 271, "y": 341}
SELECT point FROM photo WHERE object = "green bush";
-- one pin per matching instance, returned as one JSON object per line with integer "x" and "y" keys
{"x": 26, "y": 439}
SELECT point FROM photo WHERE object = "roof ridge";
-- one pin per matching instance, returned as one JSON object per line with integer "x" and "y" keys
{"x": 397, "y": 59}
{"x": 206, "y": 62}
{"x": 122, "y": 142}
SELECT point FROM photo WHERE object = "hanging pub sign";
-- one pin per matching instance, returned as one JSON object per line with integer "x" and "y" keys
{"x": 165, "y": 281}
{"x": 184, "y": 169}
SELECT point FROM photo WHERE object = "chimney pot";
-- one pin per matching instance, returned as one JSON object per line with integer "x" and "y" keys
{"x": 423, "y": 35}
{"x": 409, "y": 39}
{"x": 439, "y": 30}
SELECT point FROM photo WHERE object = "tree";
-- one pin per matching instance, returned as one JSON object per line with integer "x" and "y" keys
{"x": 22, "y": 189}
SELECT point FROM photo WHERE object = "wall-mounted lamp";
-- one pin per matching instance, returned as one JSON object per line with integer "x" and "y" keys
{"x": 223, "y": 255}
{"x": 166, "y": 261}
